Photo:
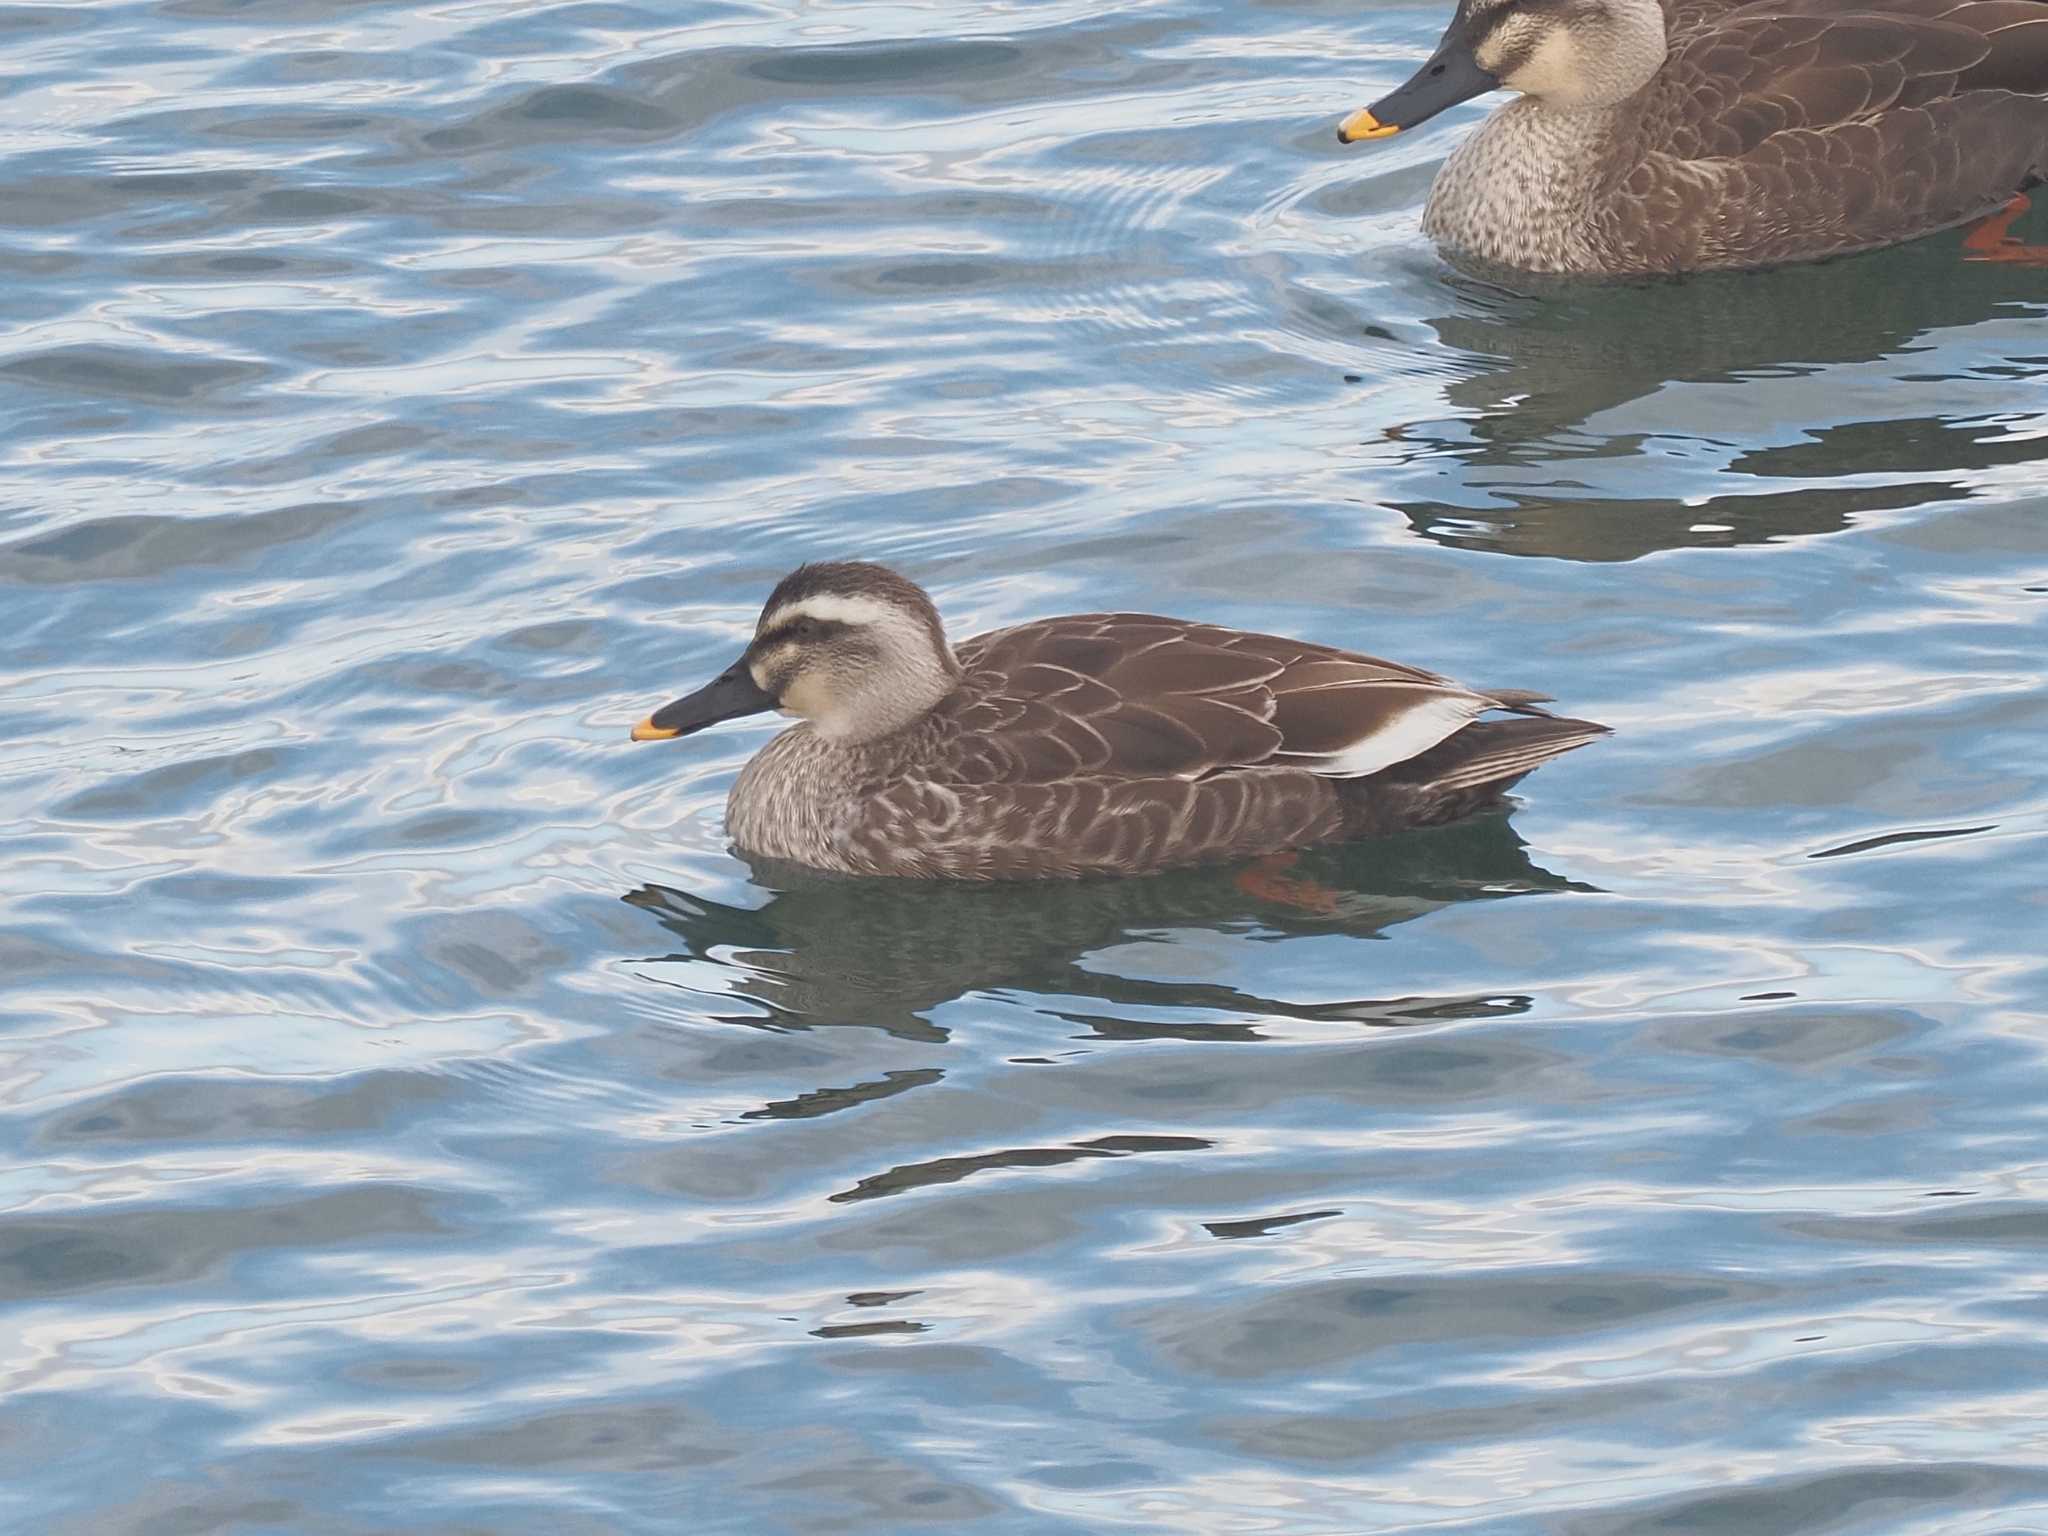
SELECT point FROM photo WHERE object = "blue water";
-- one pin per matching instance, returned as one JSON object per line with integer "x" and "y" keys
{"x": 415, "y": 1118}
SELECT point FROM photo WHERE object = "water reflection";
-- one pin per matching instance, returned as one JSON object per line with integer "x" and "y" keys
{"x": 1605, "y": 423}
{"x": 825, "y": 950}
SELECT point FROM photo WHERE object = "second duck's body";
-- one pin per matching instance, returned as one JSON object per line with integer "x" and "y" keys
{"x": 1088, "y": 744}
{"x": 1699, "y": 134}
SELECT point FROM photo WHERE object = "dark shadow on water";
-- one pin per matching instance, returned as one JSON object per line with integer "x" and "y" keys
{"x": 826, "y": 950}
{"x": 905, "y": 1177}
{"x": 1548, "y": 357}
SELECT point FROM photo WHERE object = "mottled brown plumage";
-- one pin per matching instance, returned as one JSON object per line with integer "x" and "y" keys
{"x": 1088, "y": 744}
{"x": 1709, "y": 135}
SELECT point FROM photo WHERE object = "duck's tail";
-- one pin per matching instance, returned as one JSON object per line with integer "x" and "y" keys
{"x": 1466, "y": 772}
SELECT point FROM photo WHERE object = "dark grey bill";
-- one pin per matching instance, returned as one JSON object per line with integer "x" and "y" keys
{"x": 1452, "y": 75}
{"x": 726, "y": 697}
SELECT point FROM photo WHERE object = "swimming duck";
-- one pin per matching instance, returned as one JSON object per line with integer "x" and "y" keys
{"x": 1697, "y": 134}
{"x": 1092, "y": 744}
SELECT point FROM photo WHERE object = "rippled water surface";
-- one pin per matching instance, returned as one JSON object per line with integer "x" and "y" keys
{"x": 417, "y": 1120}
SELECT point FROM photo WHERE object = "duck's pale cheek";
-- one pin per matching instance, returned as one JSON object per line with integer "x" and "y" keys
{"x": 1550, "y": 70}
{"x": 803, "y": 698}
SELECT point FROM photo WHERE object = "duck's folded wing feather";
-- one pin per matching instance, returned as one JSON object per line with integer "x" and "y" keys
{"x": 1769, "y": 69}
{"x": 1348, "y": 730}
{"x": 1009, "y": 736}
{"x": 2018, "y": 33}
{"x": 1131, "y": 696}
{"x": 2013, "y": 36}
{"x": 1873, "y": 126}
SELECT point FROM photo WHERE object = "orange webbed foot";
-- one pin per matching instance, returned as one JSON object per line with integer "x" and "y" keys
{"x": 1988, "y": 239}
{"x": 1268, "y": 880}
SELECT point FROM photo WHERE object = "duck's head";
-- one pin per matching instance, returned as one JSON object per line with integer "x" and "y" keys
{"x": 1568, "y": 54}
{"x": 853, "y": 648}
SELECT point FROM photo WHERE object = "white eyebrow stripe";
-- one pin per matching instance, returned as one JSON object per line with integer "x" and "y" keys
{"x": 832, "y": 608}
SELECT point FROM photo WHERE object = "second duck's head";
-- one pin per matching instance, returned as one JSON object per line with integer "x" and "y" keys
{"x": 1567, "y": 54}
{"x": 853, "y": 648}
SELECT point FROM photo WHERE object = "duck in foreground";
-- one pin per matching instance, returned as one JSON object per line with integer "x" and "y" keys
{"x": 1094, "y": 744}
{"x": 1698, "y": 134}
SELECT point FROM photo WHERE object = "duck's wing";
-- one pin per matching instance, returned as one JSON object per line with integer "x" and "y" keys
{"x": 1134, "y": 696}
{"x": 2013, "y": 35}
{"x": 1876, "y": 121}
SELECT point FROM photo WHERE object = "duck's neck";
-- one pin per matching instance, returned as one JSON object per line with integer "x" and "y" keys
{"x": 1518, "y": 192}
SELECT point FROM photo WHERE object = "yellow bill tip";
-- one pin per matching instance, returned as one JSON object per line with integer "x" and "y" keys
{"x": 1363, "y": 125}
{"x": 647, "y": 730}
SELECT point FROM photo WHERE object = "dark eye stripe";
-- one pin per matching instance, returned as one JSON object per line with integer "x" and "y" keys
{"x": 802, "y": 629}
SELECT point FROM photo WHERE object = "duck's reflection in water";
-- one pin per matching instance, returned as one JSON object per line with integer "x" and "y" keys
{"x": 1589, "y": 427}
{"x": 826, "y": 950}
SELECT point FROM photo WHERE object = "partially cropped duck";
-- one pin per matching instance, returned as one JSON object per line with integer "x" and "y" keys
{"x": 1094, "y": 744}
{"x": 1698, "y": 134}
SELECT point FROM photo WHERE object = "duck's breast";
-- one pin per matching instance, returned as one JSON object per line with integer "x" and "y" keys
{"x": 1519, "y": 191}
{"x": 790, "y": 801}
